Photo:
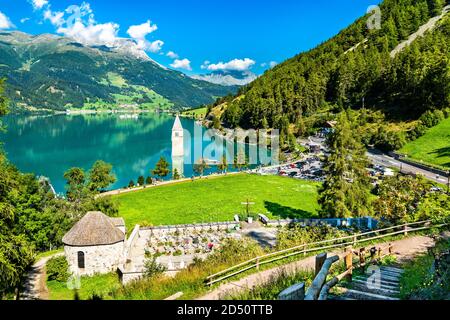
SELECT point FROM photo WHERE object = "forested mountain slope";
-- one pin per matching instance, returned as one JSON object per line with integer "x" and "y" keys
{"x": 52, "y": 72}
{"x": 354, "y": 69}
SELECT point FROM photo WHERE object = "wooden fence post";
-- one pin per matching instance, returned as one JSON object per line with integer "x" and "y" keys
{"x": 349, "y": 262}
{"x": 320, "y": 260}
{"x": 362, "y": 256}
{"x": 257, "y": 264}
{"x": 304, "y": 250}
{"x": 354, "y": 240}
{"x": 373, "y": 252}
{"x": 379, "y": 253}
{"x": 405, "y": 229}
{"x": 296, "y": 292}
{"x": 390, "y": 248}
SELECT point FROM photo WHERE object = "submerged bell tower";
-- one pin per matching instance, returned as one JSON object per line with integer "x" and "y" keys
{"x": 178, "y": 146}
{"x": 177, "y": 139}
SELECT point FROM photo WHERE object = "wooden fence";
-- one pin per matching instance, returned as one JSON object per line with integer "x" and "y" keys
{"x": 303, "y": 249}
{"x": 319, "y": 289}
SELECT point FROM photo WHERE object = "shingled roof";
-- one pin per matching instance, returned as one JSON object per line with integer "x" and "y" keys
{"x": 94, "y": 229}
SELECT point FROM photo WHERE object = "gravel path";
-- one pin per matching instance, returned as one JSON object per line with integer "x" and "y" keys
{"x": 34, "y": 286}
{"x": 404, "y": 249}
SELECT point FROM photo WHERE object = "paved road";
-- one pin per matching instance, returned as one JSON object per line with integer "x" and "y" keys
{"x": 379, "y": 158}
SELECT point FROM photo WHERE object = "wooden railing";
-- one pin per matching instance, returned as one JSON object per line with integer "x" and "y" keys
{"x": 318, "y": 289}
{"x": 304, "y": 249}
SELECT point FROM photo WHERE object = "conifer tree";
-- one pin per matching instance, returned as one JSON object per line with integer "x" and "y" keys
{"x": 345, "y": 192}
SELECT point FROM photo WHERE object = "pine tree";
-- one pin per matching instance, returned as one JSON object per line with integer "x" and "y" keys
{"x": 346, "y": 190}
{"x": 162, "y": 168}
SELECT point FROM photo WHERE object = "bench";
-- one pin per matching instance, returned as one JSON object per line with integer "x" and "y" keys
{"x": 263, "y": 218}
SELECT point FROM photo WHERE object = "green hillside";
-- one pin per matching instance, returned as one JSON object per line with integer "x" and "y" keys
{"x": 219, "y": 199}
{"x": 55, "y": 73}
{"x": 352, "y": 66}
{"x": 433, "y": 147}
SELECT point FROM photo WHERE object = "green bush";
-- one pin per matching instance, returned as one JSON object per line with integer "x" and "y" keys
{"x": 297, "y": 235}
{"x": 432, "y": 118}
{"x": 388, "y": 140}
{"x": 57, "y": 269}
{"x": 153, "y": 268}
{"x": 419, "y": 130}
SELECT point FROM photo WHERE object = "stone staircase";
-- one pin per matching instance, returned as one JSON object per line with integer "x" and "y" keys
{"x": 381, "y": 284}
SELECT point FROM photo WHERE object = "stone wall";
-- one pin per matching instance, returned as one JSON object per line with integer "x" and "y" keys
{"x": 362, "y": 223}
{"x": 98, "y": 259}
{"x": 214, "y": 226}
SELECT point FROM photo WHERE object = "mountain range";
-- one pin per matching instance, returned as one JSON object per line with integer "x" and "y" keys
{"x": 48, "y": 72}
{"x": 228, "y": 77}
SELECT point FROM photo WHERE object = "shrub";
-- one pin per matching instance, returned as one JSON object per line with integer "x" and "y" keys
{"x": 296, "y": 235}
{"x": 152, "y": 268}
{"x": 388, "y": 140}
{"x": 107, "y": 205}
{"x": 419, "y": 130}
{"x": 58, "y": 269}
{"x": 432, "y": 118}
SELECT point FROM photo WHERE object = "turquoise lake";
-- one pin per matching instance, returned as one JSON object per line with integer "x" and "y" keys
{"x": 50, "y": 145}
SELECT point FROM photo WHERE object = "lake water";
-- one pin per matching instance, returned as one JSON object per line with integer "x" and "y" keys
{"x": 50, "y": 145}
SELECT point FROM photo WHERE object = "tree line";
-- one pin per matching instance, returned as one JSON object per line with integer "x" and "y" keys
{"x": 353, "y": 70}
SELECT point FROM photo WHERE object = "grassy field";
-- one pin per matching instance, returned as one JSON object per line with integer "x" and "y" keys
{"x": 433, "y": 147}
{"x": 99, "y": 285}
{"x": 219, "y": 199}
{"x": 200, "y": 112}
{"x": 47, "y": 254}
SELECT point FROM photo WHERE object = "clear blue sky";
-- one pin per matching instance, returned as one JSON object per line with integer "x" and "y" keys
{"x": 214, "y": 30}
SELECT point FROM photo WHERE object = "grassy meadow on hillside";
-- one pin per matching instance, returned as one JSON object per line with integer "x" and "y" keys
{"x": 433, "y": 147}
{"x": 219, "y": 199}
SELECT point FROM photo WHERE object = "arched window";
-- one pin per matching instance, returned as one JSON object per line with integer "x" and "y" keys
{"x": 81, "y": 259}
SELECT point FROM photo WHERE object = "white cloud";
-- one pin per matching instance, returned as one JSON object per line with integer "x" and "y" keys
{"x": 172, "y": 55}
{"x": 81, "y": 26}
{"x": 236, "y": 64}
{"x": 154, "y": 46}
{"x": 182, "y": 64}
{"x": 56, "y": 18}
{"x": 78, "y": 23}
{"x": 23, "y": 20}
{"x": 141, "y": 31}
{"x": 39, "y": 4}
{"x": 99, "y": 34}
{"x": 5, "y": 23}
{"x": 272, "y": 64}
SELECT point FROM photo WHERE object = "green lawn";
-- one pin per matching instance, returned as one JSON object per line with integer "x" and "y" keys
{"x": 45, "y": 254}
{"x": 433, "y": 147}
{"x": 219, "y": 199}
{"x": 200, "y": 112}
{"x": 99, "y": 285}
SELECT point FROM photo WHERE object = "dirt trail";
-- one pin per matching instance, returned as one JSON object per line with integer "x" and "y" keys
{"x": 404, "y": 250}
{"x": 34, "y": 286}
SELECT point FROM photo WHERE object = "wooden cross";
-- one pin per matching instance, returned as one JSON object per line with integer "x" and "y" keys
{"x": 248, "y": 203}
